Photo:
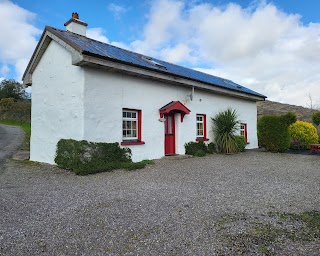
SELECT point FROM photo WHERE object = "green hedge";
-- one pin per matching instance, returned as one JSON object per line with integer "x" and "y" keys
{"x": 193, "y": 147}
{"x": 273, "y": 132}
{"x": 316, "y": 118}
{"x": 83, "y": 157}
{"x": 290, "y": 118}
{"x": 212, "y": 148}
{"x": 241, "y": 142}
{"x": 199, "y": 148}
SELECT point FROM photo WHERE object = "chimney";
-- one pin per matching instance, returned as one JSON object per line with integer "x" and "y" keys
{"x": 75, "y": 25}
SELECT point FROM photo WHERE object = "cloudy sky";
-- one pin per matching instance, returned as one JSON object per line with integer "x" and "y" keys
{"x": 272, "y": 47}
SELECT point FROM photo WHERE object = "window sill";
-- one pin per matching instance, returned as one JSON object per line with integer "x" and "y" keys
{"x": 202, "y": 139}
{"x": 131, "y": 143}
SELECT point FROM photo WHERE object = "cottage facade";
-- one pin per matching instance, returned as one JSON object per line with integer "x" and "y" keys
{"x": 87, "y": 90}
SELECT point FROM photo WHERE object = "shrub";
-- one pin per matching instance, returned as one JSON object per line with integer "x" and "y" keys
{"x": 273, "y": 133}
{"x": 316, "y": 118}
{"x": 85, "y": 157}
{"x": 192, "y": 147}
{"x": 304, "y": 132}
{"x": 11, "y": 109}
{"x": 290, "y": 118}
{"x": 212, "y": 148}
{"x": 138, "y": 165}
{"x": 241, "y": 142}
{"x": 225, "y": 126}
{"x": 200, "y": 153}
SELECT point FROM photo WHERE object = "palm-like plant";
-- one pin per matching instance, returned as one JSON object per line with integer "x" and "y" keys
{"x": 225, "y": 127}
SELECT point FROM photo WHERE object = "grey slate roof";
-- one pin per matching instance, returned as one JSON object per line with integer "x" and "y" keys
{"x": 102, "y": 50}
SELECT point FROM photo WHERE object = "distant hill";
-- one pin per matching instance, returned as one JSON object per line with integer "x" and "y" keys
{"x": 271, "y": 107}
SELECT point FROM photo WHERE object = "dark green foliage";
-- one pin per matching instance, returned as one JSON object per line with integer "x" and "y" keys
{"x": 290, "y": 118}
{"x": 316, "y": 118}
{"x": 15, "y": 110}
{"x": 241, "y": 142}
{"x": 138, "y": 165}
{"x": 200, "y": 153}
{"x": 273, "y": 133}
{"x": 85, "y": 157}
{"x": 192, "y": 147}
{"x": 12, "y": 89}
{"x": 225, "y": 126}
{"x": 212, "y": 148}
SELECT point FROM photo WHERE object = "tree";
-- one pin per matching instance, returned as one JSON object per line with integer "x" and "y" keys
{"x": 311, "y": 103}
{"x": 316, "y": 118}
{"x": 12, "y": 89}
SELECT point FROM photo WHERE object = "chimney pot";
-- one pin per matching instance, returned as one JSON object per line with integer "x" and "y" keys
{"x": 75, "y": 15}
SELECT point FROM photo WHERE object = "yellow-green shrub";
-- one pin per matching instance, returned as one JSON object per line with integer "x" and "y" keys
{"x": 304, "y": 132}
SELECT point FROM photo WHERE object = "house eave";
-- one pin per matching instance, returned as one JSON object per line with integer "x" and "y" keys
{"x": 47, "y": 36}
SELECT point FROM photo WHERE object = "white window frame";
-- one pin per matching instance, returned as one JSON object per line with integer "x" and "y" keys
{"x": 130, "y": 119}
{"x": 244, "y": 130}
{"x": 200, "y": 122}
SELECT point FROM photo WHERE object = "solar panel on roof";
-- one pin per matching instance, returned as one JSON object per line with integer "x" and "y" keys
{"x": 106, "y": 50}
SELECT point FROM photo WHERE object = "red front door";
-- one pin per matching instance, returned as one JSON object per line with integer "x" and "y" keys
{"x": 170, "y": 135}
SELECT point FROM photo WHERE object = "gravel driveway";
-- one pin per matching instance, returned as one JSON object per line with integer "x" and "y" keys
{"x": 11, "y": 138}
{"x": 215, "y": 205}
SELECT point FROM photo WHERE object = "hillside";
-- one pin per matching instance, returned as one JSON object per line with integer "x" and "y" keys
{"x": 272, "y": 107}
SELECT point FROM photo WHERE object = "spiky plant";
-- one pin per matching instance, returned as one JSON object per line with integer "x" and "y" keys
{"x": 225, "y": 127}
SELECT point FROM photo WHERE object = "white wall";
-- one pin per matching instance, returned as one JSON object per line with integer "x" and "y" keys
{"x": 86, "y": 103}
{"x": 57, "y": 103}
{"x": 106, "y": 93}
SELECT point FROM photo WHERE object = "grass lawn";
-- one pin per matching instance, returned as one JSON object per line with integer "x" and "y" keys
{"x": 26, "y": 128}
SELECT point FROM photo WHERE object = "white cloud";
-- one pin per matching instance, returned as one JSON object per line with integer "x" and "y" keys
{"x": 17, "y": 37}
{"x": 117, "y": 10}
{"x": 178, "y": 53}
{"x": 4, "y": 69}
{"x": 261, "y": 47}
{"x": 97, "y": 34}
{"x": 163, "y": 26}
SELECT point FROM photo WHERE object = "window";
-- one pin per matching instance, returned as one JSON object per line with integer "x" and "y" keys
{"x": 131, "y": 127}
{"x": 243, "y": 131}
{"x": 201, "y": 128}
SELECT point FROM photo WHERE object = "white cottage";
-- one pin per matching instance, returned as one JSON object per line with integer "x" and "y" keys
{"x": 84, "y": 89}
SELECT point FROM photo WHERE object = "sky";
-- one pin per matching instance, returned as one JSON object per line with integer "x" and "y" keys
{"x": 272, "y": 47}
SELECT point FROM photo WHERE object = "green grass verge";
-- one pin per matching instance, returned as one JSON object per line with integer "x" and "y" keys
{"x": 263, "y": 237}
{"x": 26, "y": 127}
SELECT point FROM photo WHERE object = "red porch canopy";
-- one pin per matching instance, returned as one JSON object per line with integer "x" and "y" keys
{"x": 174, "y": 107}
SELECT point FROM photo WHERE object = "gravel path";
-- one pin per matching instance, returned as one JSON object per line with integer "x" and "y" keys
{"x": 11, "y": 138}
{"x": 195, "y": 206}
